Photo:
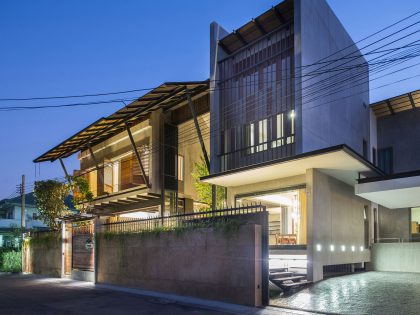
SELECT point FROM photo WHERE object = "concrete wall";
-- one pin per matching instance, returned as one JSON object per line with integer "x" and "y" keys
{"x": 400, "y": 257}
{"x": 402, "y": 133}
{"x": 327, "y": 114}
{"x": 202, "y": 263}
{"x": 394, "y": 223}
{"x": 43, "y": 257}
{"x": 335, "y": 217}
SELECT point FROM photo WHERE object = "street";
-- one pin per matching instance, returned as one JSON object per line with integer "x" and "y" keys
{"x": 28, "y": 294}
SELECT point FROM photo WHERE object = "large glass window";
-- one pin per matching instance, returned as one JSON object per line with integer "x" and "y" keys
{"x": 286, "y": 215}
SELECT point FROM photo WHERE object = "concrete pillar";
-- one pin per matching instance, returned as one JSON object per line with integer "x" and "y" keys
{"x": 216, "y": 33}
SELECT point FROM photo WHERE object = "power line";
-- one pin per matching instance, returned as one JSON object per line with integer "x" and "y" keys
{"x": 321, "y": 61}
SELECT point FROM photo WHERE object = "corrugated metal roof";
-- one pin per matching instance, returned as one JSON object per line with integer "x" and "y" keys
{"x": 278, "y": 16}
{"x": 397, "y": 104}
{"x": 167, "y": 95}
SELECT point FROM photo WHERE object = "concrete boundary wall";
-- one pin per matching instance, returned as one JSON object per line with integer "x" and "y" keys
{"x": 202, "y": 262}
{"x": 398, "y": 257}
{"x": 43, "y": 257}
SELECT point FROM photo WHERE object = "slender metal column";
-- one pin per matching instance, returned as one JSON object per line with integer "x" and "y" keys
{"x": 203, "y": 148}
{"x": 65, "y": 170}
{"x": 197, "y": 128}
{"x": 96, "y": 165}
{"x": 146, "y": 180}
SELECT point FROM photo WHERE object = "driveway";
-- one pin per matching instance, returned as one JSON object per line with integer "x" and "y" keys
{"x": 27, "y": 294}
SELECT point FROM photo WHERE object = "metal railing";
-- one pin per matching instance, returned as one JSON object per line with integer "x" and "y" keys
{"x": 397, "y": 240}
{"x": 133, "y": 225}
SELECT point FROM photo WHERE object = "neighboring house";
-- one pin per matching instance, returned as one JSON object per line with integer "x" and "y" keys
{"x": 121, "y": 155}
{"x": 396, "y": 218}
{"x": 273, "y": 138}
{"x": 10, "y": 218}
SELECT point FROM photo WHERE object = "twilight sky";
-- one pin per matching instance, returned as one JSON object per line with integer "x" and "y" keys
{"x": 51, "y": 48}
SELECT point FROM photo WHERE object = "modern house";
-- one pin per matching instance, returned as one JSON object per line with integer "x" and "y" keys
{"x": 10, "y": 218}
{"x": 283, "y": 122}
{"x": 280, "y": 138}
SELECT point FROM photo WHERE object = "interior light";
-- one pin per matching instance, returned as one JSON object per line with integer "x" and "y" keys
{"x": 292, "y": 114}
{"x": 353, "y": 248}
{"x": 361, "y": 248}
{"x": 343, "y": 248}
{"x": 318, "y": 247}
{"x": 332, "y": 248}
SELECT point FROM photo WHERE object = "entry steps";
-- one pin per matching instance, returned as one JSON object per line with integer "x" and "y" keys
{"x": 287, "y": 280}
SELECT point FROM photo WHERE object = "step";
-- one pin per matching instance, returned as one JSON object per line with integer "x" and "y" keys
{"x": 295, "y": 284}
{"x": 278, "y": 269}
{"x": 293, "y": 278}
{"x": 281, "y": 274}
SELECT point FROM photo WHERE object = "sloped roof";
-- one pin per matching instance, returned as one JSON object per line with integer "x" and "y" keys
{"x": 30, "y": 201}
{"x": 397, "y": 104}
{"x": 277, "y": 16}
{"x": 165, "y": 96}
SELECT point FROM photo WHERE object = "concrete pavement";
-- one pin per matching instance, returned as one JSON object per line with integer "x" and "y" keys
{"x": 28, "y": 294}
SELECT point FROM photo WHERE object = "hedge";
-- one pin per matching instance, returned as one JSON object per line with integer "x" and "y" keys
{"x": 10, "y": 260}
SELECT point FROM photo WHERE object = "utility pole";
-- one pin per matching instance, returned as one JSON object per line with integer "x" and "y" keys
{"x": 22, "y": 220}
{"x": 22, "y": 194}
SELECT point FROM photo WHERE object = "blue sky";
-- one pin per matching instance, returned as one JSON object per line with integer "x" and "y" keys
{"x": 77, "y": 47}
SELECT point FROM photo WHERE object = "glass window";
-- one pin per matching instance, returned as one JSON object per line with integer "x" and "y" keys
{"x": 249, "y": 138}
{"x": 180, "y": 167}
{"x": 279, "y": 131}
{"x": 291, "y": 138}
{"x": 262, "y": 135}
{"x": 286, "y": 215}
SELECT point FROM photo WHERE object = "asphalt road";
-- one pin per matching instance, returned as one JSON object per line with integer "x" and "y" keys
{"x": 34, "y": 295}
{"x": 23, "y": 294}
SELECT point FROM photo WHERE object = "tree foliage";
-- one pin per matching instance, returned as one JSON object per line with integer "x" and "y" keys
{"x": 82, "y": 195}
{"x": 204, "y": 189}
{"x": 50, "y": 198}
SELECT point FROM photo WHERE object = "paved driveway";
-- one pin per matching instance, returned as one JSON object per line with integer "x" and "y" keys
{"x": 26, "y": 294}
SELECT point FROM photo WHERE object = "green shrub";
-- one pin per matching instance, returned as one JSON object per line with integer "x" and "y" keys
{"x": 11, "y": 261}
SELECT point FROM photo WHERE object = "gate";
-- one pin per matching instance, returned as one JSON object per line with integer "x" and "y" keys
{"x": 83, "y": 247}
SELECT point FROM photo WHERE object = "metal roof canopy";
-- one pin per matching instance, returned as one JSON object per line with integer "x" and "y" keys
{"x": 396, "y": 104}
{"x": 166, "y": 96}
{"x": 269, "y": 21}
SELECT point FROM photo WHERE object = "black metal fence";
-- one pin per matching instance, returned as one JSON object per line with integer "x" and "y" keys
{"x": 133, "y": 225}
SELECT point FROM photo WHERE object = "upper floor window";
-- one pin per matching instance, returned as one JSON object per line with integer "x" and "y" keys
{"x": 278, "y": 132}
{"x": 180, "y": 167}
{"x": 385, "y": 160}
{"x": 262, "y": 135}
{"x": 249, "y": 138}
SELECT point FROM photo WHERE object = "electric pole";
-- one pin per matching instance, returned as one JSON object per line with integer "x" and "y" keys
{"x": 22, "y": 194}
{"x": 22, "y": 219}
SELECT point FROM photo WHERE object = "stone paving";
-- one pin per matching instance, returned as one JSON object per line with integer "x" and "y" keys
{"x": 364, "y": 293}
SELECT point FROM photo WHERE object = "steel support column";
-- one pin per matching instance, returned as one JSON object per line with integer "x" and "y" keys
{"x": 96, "y": 164}
{"x": 64, "y": 169}
{"x": 203, "y": 147}
{"x": 136, "y": 152}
